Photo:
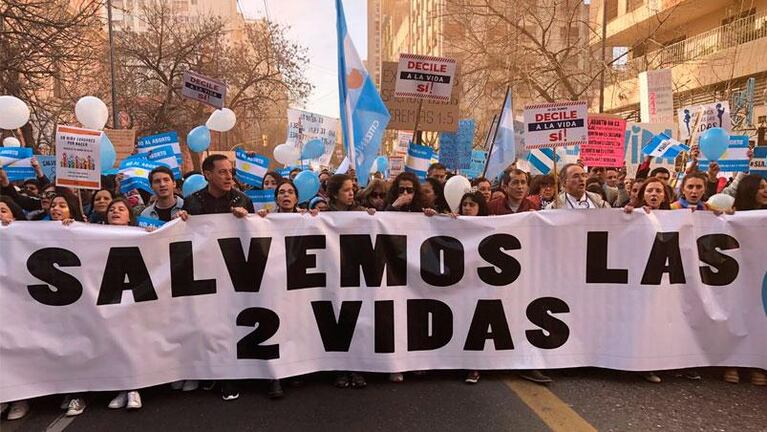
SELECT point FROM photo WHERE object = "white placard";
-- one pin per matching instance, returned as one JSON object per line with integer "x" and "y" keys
{"x": 78, "y": 157}
{"x": 204, "y": 89}
{"x": 556, "y": 124}
{"x": 712, "y": 115}
{"x": 304, "y": 126}
{"x": 425, "y": 77}
{"x": 656, "y": 96}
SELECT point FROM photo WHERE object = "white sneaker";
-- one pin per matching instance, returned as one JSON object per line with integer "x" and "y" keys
{"x": 76, "y": 407}
{"x": 134, "y": 400}
{"x": 190, "y": 385}
{"x": 18, "y": 410}
{"x": 177, "y": 385}
{"x": 119, "y": 401}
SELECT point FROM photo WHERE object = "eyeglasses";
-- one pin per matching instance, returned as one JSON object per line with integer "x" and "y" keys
{"x": 378, "y": 195}
{"x": 49, "y": 195}
{"x": 406, "y": 190}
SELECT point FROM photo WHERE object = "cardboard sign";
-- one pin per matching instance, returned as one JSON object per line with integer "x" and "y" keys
{"x": 78, "y": 157}
{"x": 124, "y": 142}
{"x": 304, "y": 126}
{"x": 712, "y": 115}
{"x": 556, "y": 124}
{"x": 758, "y": 163}
{"x": 435, "y": 116}
{"x": 605, "y": 145}
{"x": 656, "y": 96}
{"x": 455, "y": 148}
{"x": 204, "y": 89}
{"x": 425, "y": 77}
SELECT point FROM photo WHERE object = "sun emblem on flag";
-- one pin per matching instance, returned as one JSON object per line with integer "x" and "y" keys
{"x": 141, "y": 173}
{"x": 246, "y": 167}
{"x": 354, "y": 79}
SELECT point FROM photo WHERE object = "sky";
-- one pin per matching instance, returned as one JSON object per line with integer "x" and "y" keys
{"x": 313, "y": 25}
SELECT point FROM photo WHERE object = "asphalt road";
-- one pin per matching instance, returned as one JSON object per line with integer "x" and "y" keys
{"x": 579, "y": 399}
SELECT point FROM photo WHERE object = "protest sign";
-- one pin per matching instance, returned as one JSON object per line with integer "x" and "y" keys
{"x": 711, "y": 115}
{"x": 124, "y": 142}
{"x": 144, "y": 222}
{"x": 605, "y": 145}
{"x": 16, "y": 162}
{"x": 250, "y": 168}
{"x": 638, "y": 135}
{"x": 734, "y": 160}
{"x": 418, "y": 160}
{"x": 664, "y": 146}
{"x": 455, "y": 148}
{"x": 435, "y": 116}
{"x": 262, "y": 199}
{"x": 403, "y": 141}
{"x": 425, "y": 77}
{"x": 395, "y": 292}
{"x": 477, "y": 165}
{"x": 164, "y": 155}
{"x": 758, "y": 164}
{"x": 555, "y": 124}
{"x": 135, "y": 170}
{"x": 304, "y": 126}
{"x": 656, "y": 96}
{"x": 396, "y": 166}
{"x": 204, "y": 89}
{"x": 147, "y": 143}
{"x": 48, "y": 165}
{"x": 78, "y": 161}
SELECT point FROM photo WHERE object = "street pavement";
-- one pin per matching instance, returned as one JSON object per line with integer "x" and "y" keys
{"x": 579, "y": 400}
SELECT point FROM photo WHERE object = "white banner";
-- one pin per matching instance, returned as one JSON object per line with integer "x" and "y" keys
{"x": 217, "y": 297}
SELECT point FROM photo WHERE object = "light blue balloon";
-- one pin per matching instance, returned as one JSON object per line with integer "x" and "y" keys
{"x": 714, "y": 142}
{"x": 107, "y": 152}
{"x": 198, "y": 139}
{"x": 382, "y": 162}
{"x": 308, "y": 184}
{"x": 193, "y": 183}
{"x": 313, "y": 149}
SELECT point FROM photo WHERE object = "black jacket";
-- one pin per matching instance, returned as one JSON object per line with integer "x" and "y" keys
{"x": 202, "y": 202}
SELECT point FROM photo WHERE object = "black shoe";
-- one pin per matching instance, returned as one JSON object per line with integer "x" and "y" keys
{"x": 229, "y": 390}
{"x": 275, "y": 390}
{"x": 535, "y": 376}
{"x": 207, "y": 385}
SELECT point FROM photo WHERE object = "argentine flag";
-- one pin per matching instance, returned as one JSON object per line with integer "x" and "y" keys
{"x": 503, "y": 151}
{"x": 542, "y": 159}
{"x": 363, "y": 114}
{"x": 418, "y": 160}
{"x": 135, "y": 171}
{"x": 165, "y": 155}
{"x": 147, "y": 143}
{"x": 250, "y": 169}
{"x": 17, "y": 163}
{"x": 664, "y": 146}
{"x": 262, "y": 199}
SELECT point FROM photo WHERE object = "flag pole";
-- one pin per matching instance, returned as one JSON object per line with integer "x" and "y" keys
{"x": 416, "y": 134}
{"x": 495, "y": 135}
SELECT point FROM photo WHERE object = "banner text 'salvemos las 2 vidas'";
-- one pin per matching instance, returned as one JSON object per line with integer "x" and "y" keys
{"x": 104, "y": 308}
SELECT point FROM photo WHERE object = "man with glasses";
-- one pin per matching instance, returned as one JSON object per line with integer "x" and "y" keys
{"x": 575, "y": 196}
{"x": 515, "y": 183}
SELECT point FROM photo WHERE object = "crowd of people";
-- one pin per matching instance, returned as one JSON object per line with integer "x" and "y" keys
{"x": 514, "y": 191}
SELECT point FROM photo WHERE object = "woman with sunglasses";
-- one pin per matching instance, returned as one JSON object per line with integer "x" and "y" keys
{"x": 405, "y": 194}
{"x": 374, "y": 195}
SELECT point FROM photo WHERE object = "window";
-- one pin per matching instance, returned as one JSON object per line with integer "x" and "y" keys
{"x": 612, "y": 9}
{"x": 632, "y": 5}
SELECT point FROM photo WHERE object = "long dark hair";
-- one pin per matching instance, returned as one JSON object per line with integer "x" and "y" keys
{"x": 72, "y": 203}
{"x": 131, "y": 217}
{"x": 745, "y": 196}
{"x": 665, "y": 204}
{"x": 478, "y": 198}
{"x": 334, "y": 185}
{"x": 416, "y": 204}
{"x": 440, "y": 204}
{"x": 16, "y": 211}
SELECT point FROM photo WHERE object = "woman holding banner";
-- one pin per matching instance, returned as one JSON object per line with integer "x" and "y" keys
{"x": 433, "y": 193}
{"x": 542, "y": 190}
{"x": 374, "y": 195}
{"x": 405, "y": 194}
{"x": 100, "y": 202}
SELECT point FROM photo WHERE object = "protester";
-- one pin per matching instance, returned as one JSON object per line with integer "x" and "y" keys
{"x": 575, "y": 196}
{"x": 405, "y": 194}
{"x": 219, "y": 196}
{"x": 438, "y": 172}
{"x": 651, "y": 196}
{"x": 293, "y": 173}
{"x": 433, "y": 194}
{"x": 485, "y": 186}
{"x": 64, "y": 208}
{"x": 99, "y": 204}
{"x": 515, "y": 184}
{"x": 271, "y": 179}
{"x": 374, "y": 195}
{"x": 542, "y": 191}
{"x": 693, "y": 189}
{"x": 318, "y": 203}
{"x": 751, "y": 193}
{"x": 167, "y": 204}
{"x": 498, "y": 193}
{"x": 31, "y": 188}
{"x": 634, "y": 194}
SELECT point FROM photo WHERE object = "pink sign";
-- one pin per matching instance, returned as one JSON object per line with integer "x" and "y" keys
{"x": 605, "y": 145}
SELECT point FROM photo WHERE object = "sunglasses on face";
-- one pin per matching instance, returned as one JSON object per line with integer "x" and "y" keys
{"x": 49, "y": 195}
{"x": 406, "y": 190}
{"x": 378, "y": 195}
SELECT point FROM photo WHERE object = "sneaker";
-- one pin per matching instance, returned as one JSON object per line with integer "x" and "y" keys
{"x": 177, "y": 385}
{"x": 18, "y": 410}
{"x": 651, "y": 377}
{"x": 472, "y": 377}
{"x": 190, "y": 385}
{"x": 65, "y": 403}
{"x": 134, "y": 400}
{"x": 275, "y": 390}
{"x": 535, "y": 376}
{"x": 758, "y": 378}
{"x": 119, "y": 401}
{"x": 76, "y": 407}
{"x": 691, "y": 374}
{"x": 731, "y": 375}
{"x": 396, "y": 377}
{"x": 229, "y": 391}
{"x": 208, "y": 385}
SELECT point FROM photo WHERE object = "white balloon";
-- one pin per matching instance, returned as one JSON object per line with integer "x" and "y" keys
{"x": 455, "y": 188}
{"x": 92, "y": 112}
{"x": 11, "y": 142}
{"x": 286, "y": 154}
{"x": 14, "y": 113}
{"x": 221, "y": 120}
{"x": 721, "y": 202}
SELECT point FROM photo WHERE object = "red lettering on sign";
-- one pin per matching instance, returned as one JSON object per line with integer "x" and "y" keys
{"x": 426, "y": 66}
{"x": 556, "y": 116}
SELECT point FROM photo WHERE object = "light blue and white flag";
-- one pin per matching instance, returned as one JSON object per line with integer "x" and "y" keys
{"x": 542, "y": 159}
{"x": 166, "y": 138}
{"x": 135, "y": 170}
{"x": 262, "y": 199}
{"x": 363, "y": 114}
{"x": 165, "y": 155}
{"x": 144, "y": 221}
{"x": 418, "y": 160}
{"x": 250, "y": 169}
{"x": 343, "y": 167}
{"x": 664, "y": 146}
{"x": 17, "y": 163}
{"x": 503, "y": 151}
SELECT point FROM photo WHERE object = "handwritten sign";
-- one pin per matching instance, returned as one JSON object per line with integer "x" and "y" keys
{"x": 605, "y": 145}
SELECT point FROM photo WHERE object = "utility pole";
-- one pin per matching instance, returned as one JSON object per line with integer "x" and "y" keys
{"x": 115, "y": 114}
{"x": 602, "y": 60}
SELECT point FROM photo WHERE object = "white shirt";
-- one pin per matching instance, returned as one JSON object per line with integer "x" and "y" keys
{"x": 575, "y": 203}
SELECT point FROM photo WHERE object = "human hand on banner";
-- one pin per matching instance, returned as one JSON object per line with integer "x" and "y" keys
{"x": 182, "y": 214}
{"x": 314, "y": 212}
{"x": 262, "y": 212}
{"x": 150, "y": 228}
{"x": 371, "y": 211}
{"x": 67, "y": 222}
{"x": 239, "y": 212}
{"x": 429, "y": 212}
